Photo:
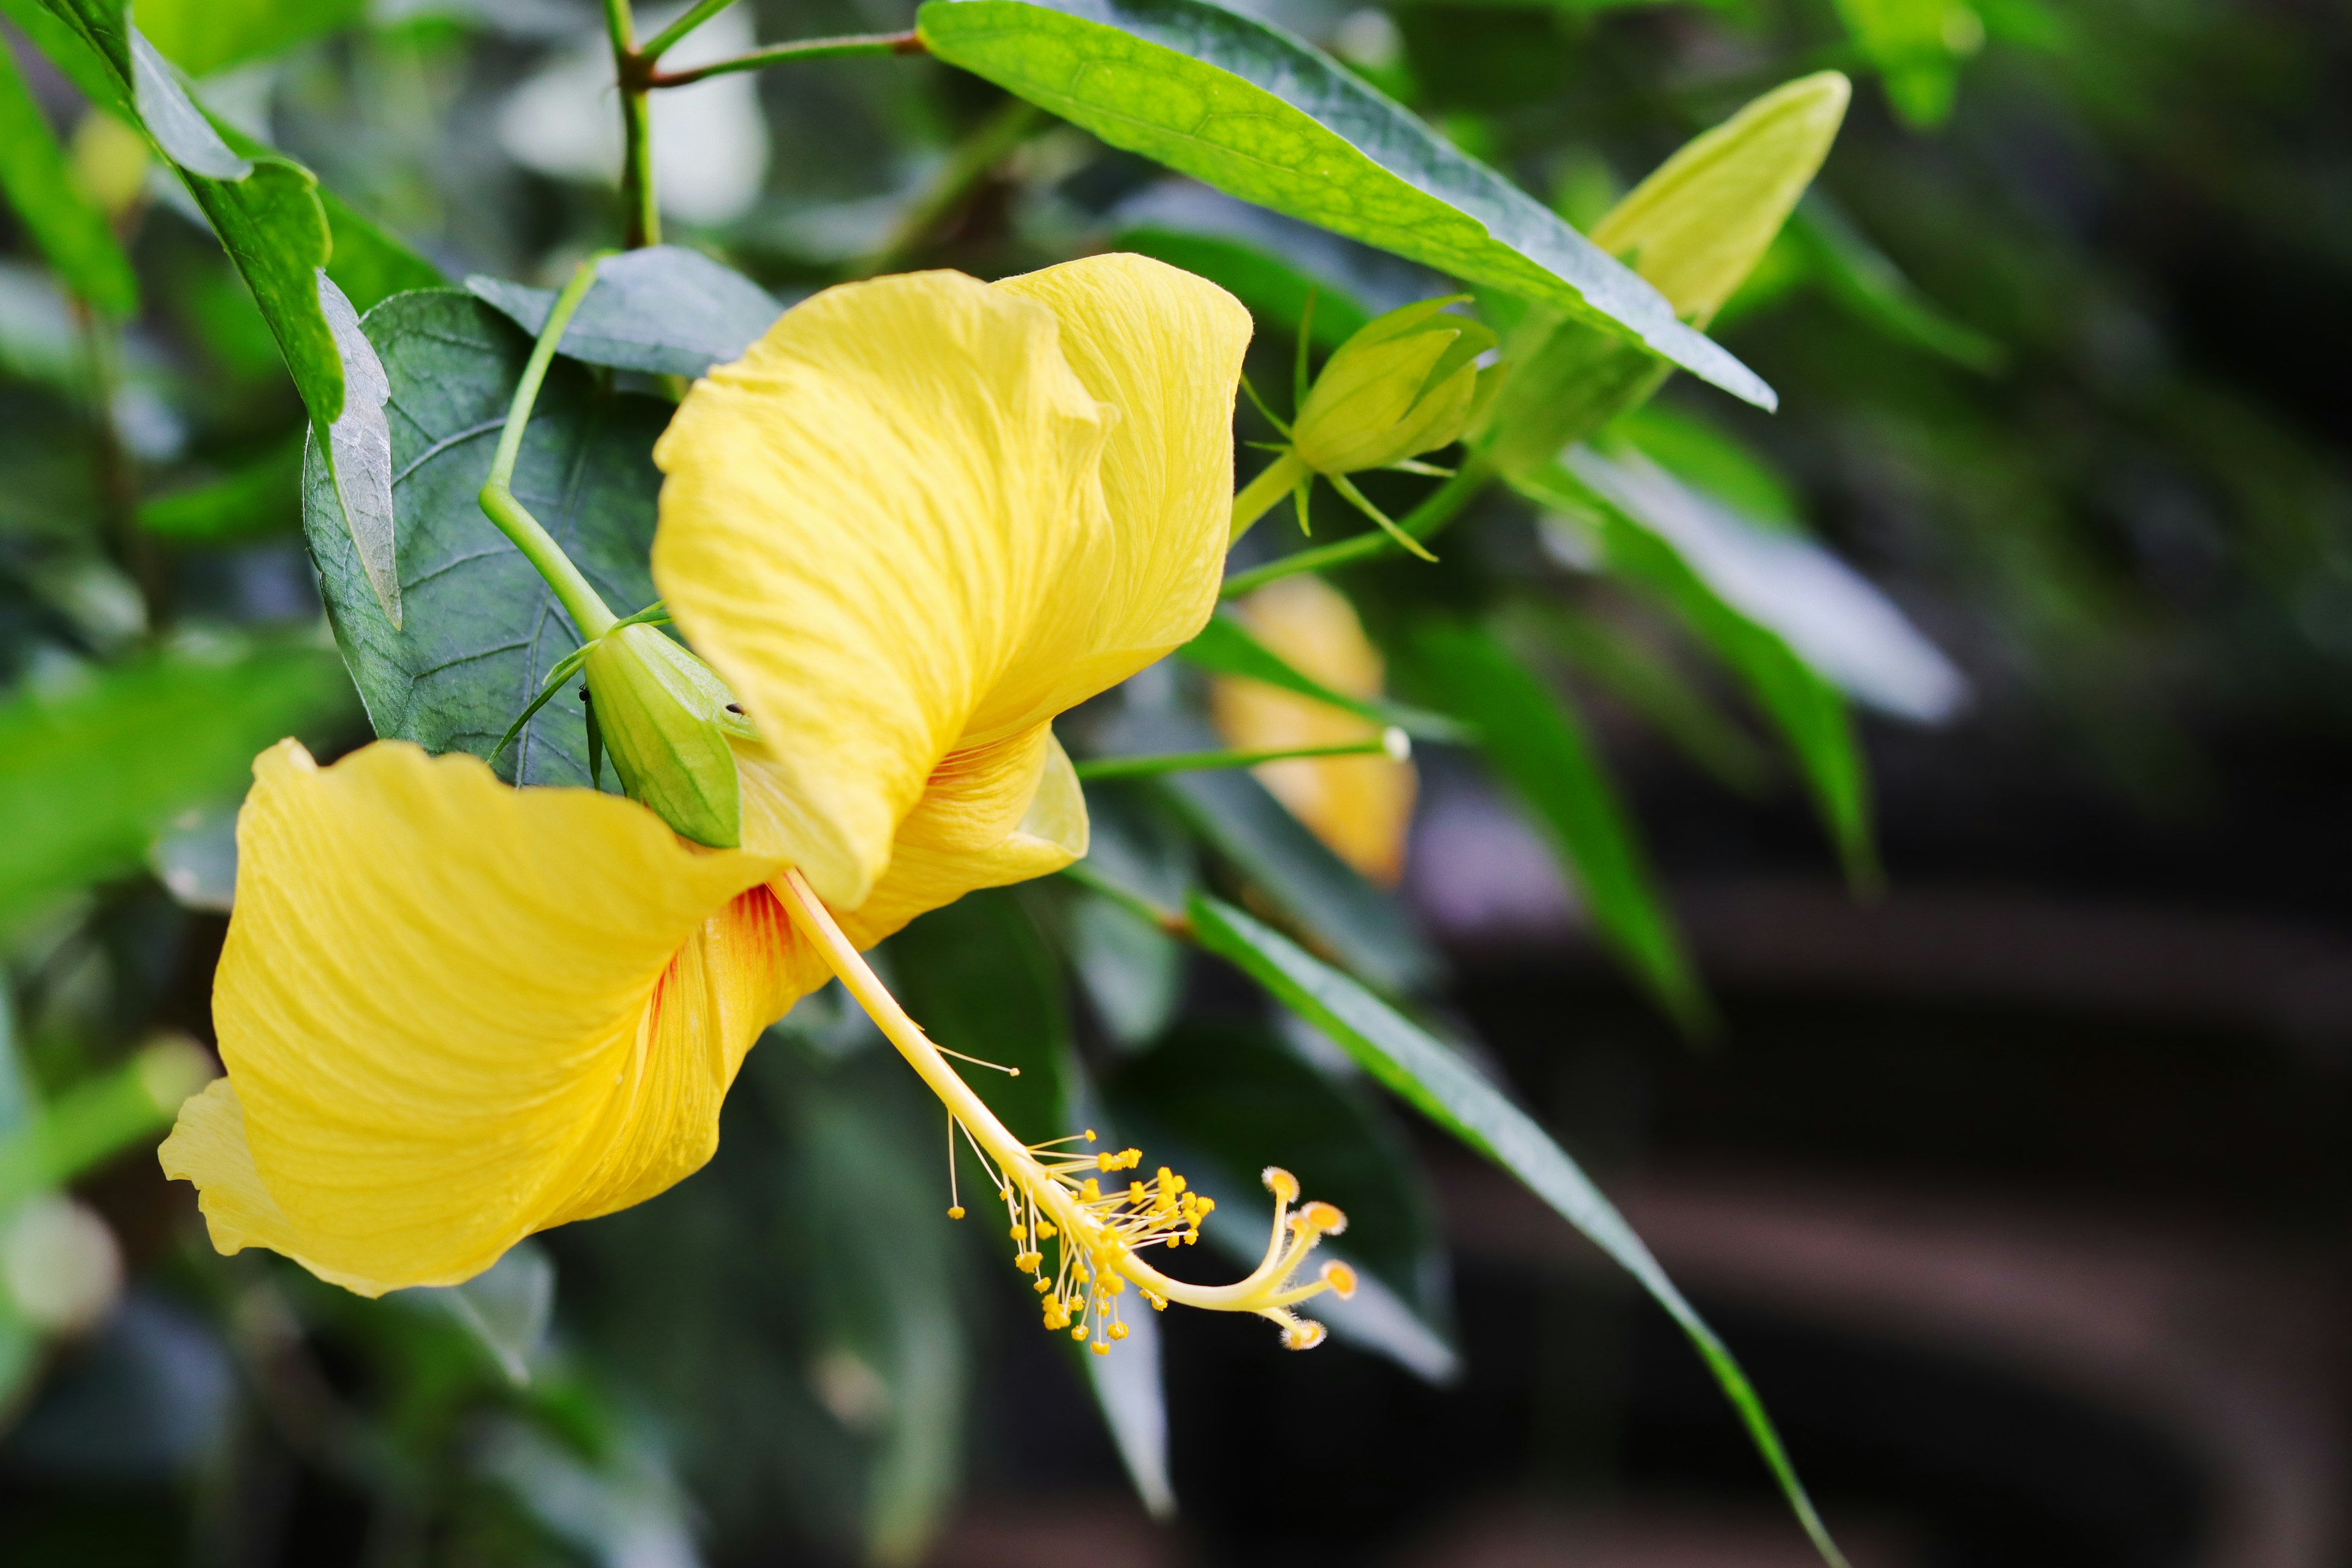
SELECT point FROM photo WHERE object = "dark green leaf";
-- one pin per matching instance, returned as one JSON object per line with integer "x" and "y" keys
{"x": 481, "y": 630}
{"x": 1860, "y": 277}
{"x": 1274, "y": 290}
{"x": 93, "y": 772}
{"x": 1533, "y": 737}
{"x": 1252, "y": 110}
{"x": 263, "y": 497}
{"x": 1132, "y": 970}
{"x": 66, "y": 224}
{"x": 507, "y": 1309}
{"x": 1222, "y": 1104}
{"x": 1568, "y": 379}
{"x": 663, "y": 310}
{"x": 1615, "y": 660}
{"x": 368, "y": 263}
{"x": 1435, "y": 1080}
{"x": 1225, "y": 646}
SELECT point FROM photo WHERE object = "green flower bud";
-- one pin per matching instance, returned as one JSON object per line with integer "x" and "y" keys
{"x": 1405, "y": 383}
{"x": 1697, "y": 225}
{"x": 665, "y": 716}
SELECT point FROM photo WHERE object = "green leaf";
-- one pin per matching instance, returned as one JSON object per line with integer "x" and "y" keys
{"x": 1918, "y": 46}
{"x": 481, "y": 630}
{"x": 94, "y": 772}
{"x": 1860, "y": 278}
{"x": 202, "y": 37}
{"x": 1225, "y": 646}
{"x": 1130, "y": 1390}
{"x": 1568, "y": 380}
{"x": 1274, "y": 290}
{"x": 1317, "y": 894}
{"x": 508, "y": 1309}
{"x": 1536, "y": 741}
{"x": 663, "y": 310}
{"x": 1222, "y": 1104}
{"x": 143, "y": 87}
{"x": 1252, "y": 110}
{"x": 99, "y": 1118}
{"x": 367, "y": 263}
{"x": 66, "y": 224}
{"x": 1437, "y": 1082}
{"x": 1132, "y": 970}
{"x": 983, "y": 983}
{"x": 263, "y": 497}
{"x": 1651, "y": 686}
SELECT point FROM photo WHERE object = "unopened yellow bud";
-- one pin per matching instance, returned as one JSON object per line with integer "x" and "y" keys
{"x": 1699, "y": 225}
{"x": 665, "y": 717}
{"x": 1405, "y": 383}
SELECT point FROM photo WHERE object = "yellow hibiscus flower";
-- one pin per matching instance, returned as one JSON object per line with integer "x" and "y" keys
{"x": 917, "y": 520}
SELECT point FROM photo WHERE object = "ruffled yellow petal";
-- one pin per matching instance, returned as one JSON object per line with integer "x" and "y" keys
{"x": 872, "y": 517}
{"x": 1361, "y": 806}
{"x": 1165, "y": 349}
{"x": 938, "y": 856}
{"x": 923, "y": 515}
{"x": 454, "y": 1012}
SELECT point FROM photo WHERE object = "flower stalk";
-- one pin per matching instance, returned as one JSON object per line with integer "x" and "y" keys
{"x": 1391, "y": 742}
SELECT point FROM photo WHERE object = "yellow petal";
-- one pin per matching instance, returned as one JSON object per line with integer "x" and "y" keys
{"x": 895, "y": 527}
{"x": 1696, "y": 226}
{"x": 454, "y": 1012}
{"x": 871, "y": 518}
{"x": 1359, "y": 806}
{"x": 1165, "y": 349}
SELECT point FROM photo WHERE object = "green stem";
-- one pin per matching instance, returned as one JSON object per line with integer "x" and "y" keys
{"x": 661, "y": 43}
{"x": 639, "y": 201}
{"x": 1258, "y": 496}
{"x": 804, "y": 49}
{"x": 972, "y": 162}
{"x": 1436, "y": 510}
{"x": 1389, "y": 743}
{"x": 1134, "y": 903}
{"x": 572, "y": 590}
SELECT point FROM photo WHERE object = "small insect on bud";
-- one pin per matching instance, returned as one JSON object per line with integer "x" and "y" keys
{"x": 1405, "y": 383}
{"x": 663, "y": 716}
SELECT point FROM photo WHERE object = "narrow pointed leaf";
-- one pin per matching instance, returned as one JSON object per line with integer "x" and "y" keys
{"x": 1251, "y": 110}
{"x": 1435, "y": 1080}
{"x": 1225, "y": 646}
{"x": 1538, "y": 743}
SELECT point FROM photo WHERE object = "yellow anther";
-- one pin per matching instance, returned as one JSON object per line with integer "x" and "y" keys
{"x": 1090, "y": 1190}
{"x": 1043, "y": 1284}
{"x": 1207, "y": 1204}
{"x": 1106, "y": 1161}
{"x": 956, "y": 1213}
{"x": 1118, "y": 1331}
{"x": 1323, "y": 1218}
{"x": 1079, "y": 1332}
{"x": 1046, "y": 1230}
{"x": 1020, "y": 1233}
{"x": 1134, "y": 1193}
{"x": 1099, "y": 1348}
{"x": 1091, "y": 1134}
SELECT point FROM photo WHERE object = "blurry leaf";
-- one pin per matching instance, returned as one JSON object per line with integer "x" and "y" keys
{"x": 196, "y": 859}
{"x": 1129, "y": 1388}
{"x": 1699, "y": 454}
{"x": 1568, "y": 380}
{"x": 1437, "y": 1082}
{"x": 1250, "y": 110}
{"x": 88, "y": 776}
{"x": 1288, "y": 866}
{"x": 1918, "y": 46}
{"x": 264, "y": 497}
{"x": 359, "y": 447}
{"x": 623, "y": 1512}
{"x": 1132, "y": 970}
{"x": 1225, "y": 646}
{"x": 480, "y": 629}
{"x": 1860, "y": 277}
{"x": 70, "y": 229}
{"x": 18, "y": 1106}
{"x": 1222, "y": 1104}
{"x": 202, "y": 37}
{"x": 507, "y": 1308}
{"x": 1274, "y": 290}
{"x": 37, "y": 342}
{"x": 663, "y": 310}
{"x": 1532, "y": 736}
{"x": 1827, "y": 614}
{"x": 99, "y": 1117}
{"x": 1654, "y": 689}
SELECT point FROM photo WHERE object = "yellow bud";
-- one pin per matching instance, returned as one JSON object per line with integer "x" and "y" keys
{"x": 1403, "y": 385}
{"x": 1699, "y": 225}
{"x": 665, "y": 719}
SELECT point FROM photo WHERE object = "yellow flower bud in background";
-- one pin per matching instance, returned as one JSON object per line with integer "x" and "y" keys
{"x": 1359, "y": 806}
{"x": 1699, "y": 224}
{"x": 110, "y": 161}
{"x": 1404, "y": 384}
{"x": 665, "y": 717}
